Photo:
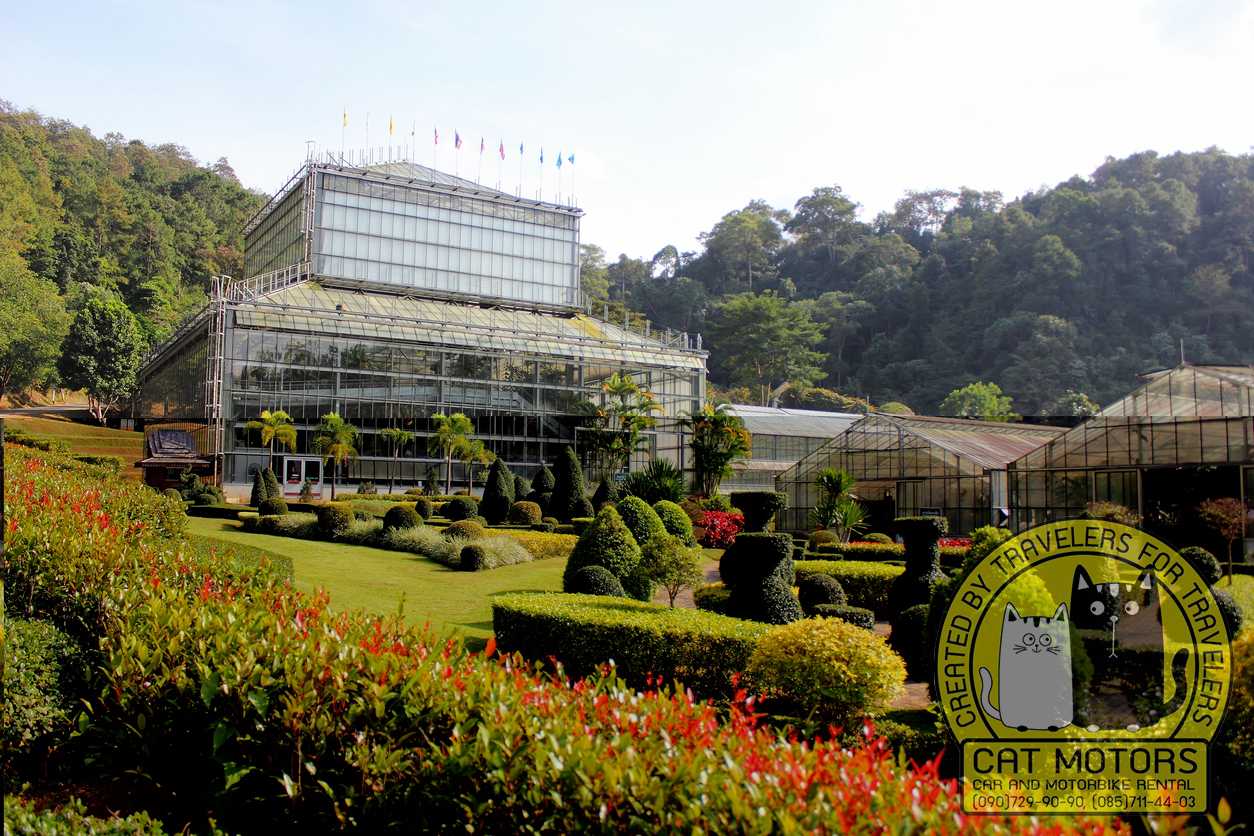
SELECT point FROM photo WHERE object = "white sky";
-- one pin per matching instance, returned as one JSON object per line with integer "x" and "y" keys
{"x": 677, "y": 112}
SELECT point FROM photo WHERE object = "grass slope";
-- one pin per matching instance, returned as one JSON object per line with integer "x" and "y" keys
{"x": 88, "y": 439}
{"x": 376, "y": 580}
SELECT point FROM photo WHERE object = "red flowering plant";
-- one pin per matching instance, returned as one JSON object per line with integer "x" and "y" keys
{"x": 720, "y": 528}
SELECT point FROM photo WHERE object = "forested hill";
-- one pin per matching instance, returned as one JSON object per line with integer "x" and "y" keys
{"x": 1077, "y": 287}
{"x": 148, "y": 223}
{"x": 1072, "y": 289}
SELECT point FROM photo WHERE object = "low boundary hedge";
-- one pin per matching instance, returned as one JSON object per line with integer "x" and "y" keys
{"x": 702, "y": 649}
{"x": 866, "y": 583}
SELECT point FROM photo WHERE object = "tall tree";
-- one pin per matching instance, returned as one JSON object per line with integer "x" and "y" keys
{"x": 763, "y": 341}
{"x": 35, "y": 323}
{"x": 619, "y": 422}
{"x": 718, "y": 439}
{"x": 274, "y": 425}
{"x": 452, "y": 433}
{"x": 102, "y": 354}
{"x": 398, "y": 439}
{"x": 336, "y": 441}
{"x": 980, "y": 400}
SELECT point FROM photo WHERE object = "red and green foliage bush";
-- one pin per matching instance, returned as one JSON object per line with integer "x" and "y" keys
{"x": 224, "y": 694}
{"x": 720, "y": 528}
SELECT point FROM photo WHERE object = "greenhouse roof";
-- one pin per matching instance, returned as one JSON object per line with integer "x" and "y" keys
{"x": 1189, "y": 392}
{"x": 311, "y": 307}
{"x": 805, "y": 423}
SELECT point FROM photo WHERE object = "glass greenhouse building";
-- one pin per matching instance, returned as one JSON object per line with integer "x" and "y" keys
{"x": 913, "y": 465}
{"x": 392, "y": 293}
{"x": 780, "y": 438}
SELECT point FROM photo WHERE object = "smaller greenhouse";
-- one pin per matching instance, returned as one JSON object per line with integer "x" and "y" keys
{"x": 915, "y": 465}
{"x": 781, "y": 437}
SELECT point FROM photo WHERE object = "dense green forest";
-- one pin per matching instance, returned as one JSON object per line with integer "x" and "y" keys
{"x": 1063, "y": 292}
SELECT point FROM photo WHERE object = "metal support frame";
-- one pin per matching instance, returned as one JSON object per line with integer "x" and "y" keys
{"x": 215, "y": 367}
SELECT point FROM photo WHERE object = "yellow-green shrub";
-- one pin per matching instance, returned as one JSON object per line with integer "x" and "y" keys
{"x": 866, "y": 583}
{"x": 830, "y": 667}
{"x": 541, "y": 545}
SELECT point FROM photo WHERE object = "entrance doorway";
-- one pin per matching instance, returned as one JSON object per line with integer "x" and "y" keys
{"x": 297, "y": 471}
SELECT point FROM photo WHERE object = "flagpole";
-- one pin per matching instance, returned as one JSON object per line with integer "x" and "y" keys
{"x": 522, "y": 158}
{"x": 367, "y": 129}
{"x": 343, "y": 130}
{"x": 479, "y": 171}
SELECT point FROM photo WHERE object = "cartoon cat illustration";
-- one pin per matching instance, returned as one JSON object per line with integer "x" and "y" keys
{"x": 1033, "y": 672}
{"x": 1118, "y": 657}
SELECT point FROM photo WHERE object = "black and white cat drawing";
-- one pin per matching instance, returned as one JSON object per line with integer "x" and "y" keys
{"x": 1118, "y": 655}
{"x": 1033, "y": 672}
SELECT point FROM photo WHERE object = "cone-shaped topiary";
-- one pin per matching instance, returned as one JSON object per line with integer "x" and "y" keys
{"x": 641, "y": 520}
{"x": 259, "y": 491}
{"x": 498, "y": 493}
{"x": 544, "y": 481}
{"x": 606, "y": 542}
{"x": 521, "y": 488}
{"x": 922, "y": 540}
{"x": 675, "y": 521}
{"x": 569, "y": 494}
{"x": 596, "y": 580}
{"x": 273, "y": 491}
{"x": 606, "y": 492}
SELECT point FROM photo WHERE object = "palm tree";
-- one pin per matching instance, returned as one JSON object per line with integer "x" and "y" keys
{"x": 398, "y": 438}
{"x": 274, "y": 426}
{"x": 472, "y": 453}
{"x": 718, "y": 439}
{"x": 333, "y": 440}
{"x": 451, "y": 434}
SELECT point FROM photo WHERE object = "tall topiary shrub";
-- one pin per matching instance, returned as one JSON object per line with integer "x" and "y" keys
{"x": 259, "y": 492}
{"x": 606, "y": 492}
{"x": 498, "y": 493}
{"x": 675, "y": 521}
{"x": 921, "y": 536}
{"x": 273, "y": 491}
{"x": 758, "y": 569}
{"x": 569, "y": 494}
{"x": 641, "y": 520}
{"x": 521, "y": 488}
{"x": 543, "y": 481}
{"x": 759, "y": 507}
{"x": 606, "y": 542}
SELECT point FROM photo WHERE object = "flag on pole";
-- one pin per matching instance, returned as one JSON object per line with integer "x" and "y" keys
{"x": 559, "y": 159}
{"x": 481, "y": 146}
{"x": 457, "y": 140}
{"x": 571, "y": 158}
{"x": 346, "y": 117}
{"x": 391, "y": 126}
{"x": 520, "y": 149}
{"x": 437, "y": 136}
{"x": 542, "y": 155}
{"x": 501, "y": 150}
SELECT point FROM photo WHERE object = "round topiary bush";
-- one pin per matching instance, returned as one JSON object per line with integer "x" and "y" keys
{"x": 911, "y": 640}
{"x": 551, "y": 521}
{"x": 272, "y": 507}
{"x": 1204, "y": 563}
{"x": 675, "y": 521}
{"x": 876, "y": 537}
{"x": 524, "y": 513}
{"x": 839, "y": 672}
{"x": 857, "y": 616}
{"x": 465, "y": 529}
{"x": 921, "y": 536}
{"x": 821, "y": 537}
{"x": 605, "y": 542}
{"x": 641, "y": 520}
{"x": 639, "y": 584}
{"x": 423, "y": 507}
{"x": 596, "y": 580}
{"x": 1232, "y": 615}
{"x": 334, "y": 519}
{"x": 401, "y": 516}
{"x": 171, "y": 493}
{"x": 460, "y": 508}
{"x": 472, "y": 558}
{"x": 813, "y": 590}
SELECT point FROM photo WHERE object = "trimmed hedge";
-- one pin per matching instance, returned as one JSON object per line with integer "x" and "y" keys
{"x": 423, "y": 507}
{"x": 864, "y": 550}
{"x": 712, "y": 597}
{"x": 759, "y": 507}
{"x": 1204, "y": 563}
{"x": 759, "y": 570}
{"x": 45, "y": 672}
{"x": 646, "y": 641}
{"x": 911, "y": 640}
{"x": 867, "y": 584}
{"x": 922, "y": 543}
{"x": 402, "y": 516}
{"x": 569, "y": 498}
{"x": 606, "y": 542}
{"x": 460, "y": 508}
{"x": 857, "y": 616}
{"x": 675, "y": 521}
{"x": 272, "y": 506}
{"x": 334, "y": 519}
{"x": 596, "y": 580}
{"x": 814, "y": 590}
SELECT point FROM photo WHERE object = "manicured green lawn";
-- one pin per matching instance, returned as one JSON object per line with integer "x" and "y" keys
{"x": 377, "y": 580}
{"x": 1242, "y": 588}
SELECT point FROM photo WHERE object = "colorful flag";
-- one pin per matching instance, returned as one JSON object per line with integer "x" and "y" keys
{"x": 346, "y": 117}
{"x": 541, "y": 155}
{"x": 437, "y": 135}
{"x": 391, "y": 126}
{"x": 501, "y": 150}
{"x": 559, "y": 159}
{"x": 571, "y": 158}
{"x": 457, "y": 139}
{"x": 481, "y": 146}
{"x": 520, "y": 149}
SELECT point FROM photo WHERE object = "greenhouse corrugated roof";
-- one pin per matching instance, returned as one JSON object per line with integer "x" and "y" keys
{"x": 805, "y": 423}
{"x": 1189, "y": 392}
{"x": 990, "y": 445}
{"x": 310, "y": 307}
